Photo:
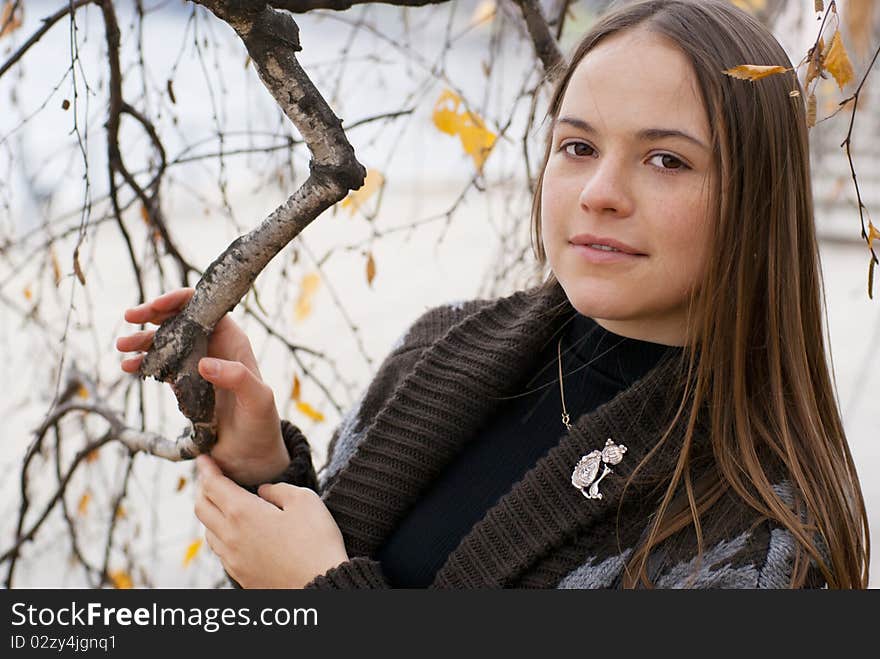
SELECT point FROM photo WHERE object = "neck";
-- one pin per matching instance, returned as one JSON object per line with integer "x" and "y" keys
{"x": 668, "y": 334}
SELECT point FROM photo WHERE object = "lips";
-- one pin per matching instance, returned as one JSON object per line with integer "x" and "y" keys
{"x": 589, "y": 239}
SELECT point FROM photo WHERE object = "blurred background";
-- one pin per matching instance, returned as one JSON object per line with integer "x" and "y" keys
{"x": 436, "y": 222}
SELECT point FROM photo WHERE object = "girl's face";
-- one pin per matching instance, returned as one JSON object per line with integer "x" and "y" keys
{"x": 631, "y": 164}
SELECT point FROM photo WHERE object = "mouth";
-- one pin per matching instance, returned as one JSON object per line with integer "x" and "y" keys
{"x": 603, "y": 244}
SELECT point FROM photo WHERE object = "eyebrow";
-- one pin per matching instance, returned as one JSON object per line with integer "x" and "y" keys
{"x": 645, "y": 134}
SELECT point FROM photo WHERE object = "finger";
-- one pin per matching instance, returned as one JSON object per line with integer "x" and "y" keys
{"x": 131, "y": 364}
{"x": 161, "y": 308}
{"x": 283, "y": 495}
{"x": 223, "y": 492}
{"x": 250, "y": 392}
{"x": 209, "y": 514}
{"x": 216, "y": 544}
{"x": 138, "y": 341}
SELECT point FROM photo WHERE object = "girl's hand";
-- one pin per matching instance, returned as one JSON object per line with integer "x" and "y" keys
{"x": 249, "y": 446}
{"x": 283, "y": 538}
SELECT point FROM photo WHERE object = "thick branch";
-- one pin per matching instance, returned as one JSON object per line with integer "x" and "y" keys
{"x": 546, "y": 46}
{"x": 272, "y": 40}
{"x": 303, "y": 6}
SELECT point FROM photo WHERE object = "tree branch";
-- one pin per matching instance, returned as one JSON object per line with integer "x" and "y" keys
{"x": 272, "y": 40}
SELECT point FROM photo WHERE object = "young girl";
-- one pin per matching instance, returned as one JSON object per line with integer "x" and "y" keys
{"x": 657, "y": 413}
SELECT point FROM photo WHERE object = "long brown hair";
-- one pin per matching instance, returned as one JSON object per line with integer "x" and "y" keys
{"x": 756, "y": 359}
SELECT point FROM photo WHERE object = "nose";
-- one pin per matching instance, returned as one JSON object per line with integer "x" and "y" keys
{"x": 606, "y": 189}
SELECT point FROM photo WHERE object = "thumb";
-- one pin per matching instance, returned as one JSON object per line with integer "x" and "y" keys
{"x": 251, "y": 392}
{"x": 278, "y": 494}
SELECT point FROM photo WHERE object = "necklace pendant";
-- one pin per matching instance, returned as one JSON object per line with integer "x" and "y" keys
{"x": 566, "y": 421}
{"x": 585, "y": 471}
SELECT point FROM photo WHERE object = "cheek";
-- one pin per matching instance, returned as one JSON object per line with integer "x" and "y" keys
{"x": 554, "y": 199}
{"x": 685, "y": 240}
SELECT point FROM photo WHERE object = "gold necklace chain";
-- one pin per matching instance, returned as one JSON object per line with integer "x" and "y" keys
{"x": 565, "y": 418}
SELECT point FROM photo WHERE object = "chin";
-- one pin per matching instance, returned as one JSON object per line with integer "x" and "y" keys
{"x": 597, "y": 301}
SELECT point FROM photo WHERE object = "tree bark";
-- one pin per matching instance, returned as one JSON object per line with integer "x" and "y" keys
{"x": 272, "y": 40}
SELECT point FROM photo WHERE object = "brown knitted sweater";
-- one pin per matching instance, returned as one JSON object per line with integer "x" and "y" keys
{"x": 436, "y": 390}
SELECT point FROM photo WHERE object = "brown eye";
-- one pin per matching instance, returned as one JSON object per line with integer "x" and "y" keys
{"x": 581, "y": 149}
{"x": 667, "y": 161}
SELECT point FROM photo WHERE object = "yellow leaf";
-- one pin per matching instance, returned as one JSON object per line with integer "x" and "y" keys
{"x": 181, "y": 483}
{"x": 485, "y": 11}
{"x": 145, "y": 215}
{"x": 811, "y": 110}
{"x": 371, "y": 269}
{"x": 356, "y": 199}
{"x": 120, "y": 512}
{"x": 56, "y": 266}
{"x": 819, "y": 6}
{"x": 872, "y": 233}
{"x": 28, "y": 294}
{"x": 309, "y": 411}
{"x": 751, "y": 6}
{"x": 295, "y": 390}
{"x": 476, "y": 139}
{"x": 307, "y": 292}
{"x": 76, "y": 267}
{"x": 192, "y": 551}
{"x": 9, "y": 21}
{"x": 837, "y": 62}
{"x": 120, "y": 579}
{"x": 754, "y": 71}
{"x": 82, "y": 392}
{"x": 83, "y": 505}
{"x": 92, "y": 455}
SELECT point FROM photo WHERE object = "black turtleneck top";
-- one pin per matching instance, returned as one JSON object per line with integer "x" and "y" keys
{"x": 596, "y": 366}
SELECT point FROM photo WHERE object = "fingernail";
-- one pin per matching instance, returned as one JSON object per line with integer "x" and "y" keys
{"x": 210, "y": 366}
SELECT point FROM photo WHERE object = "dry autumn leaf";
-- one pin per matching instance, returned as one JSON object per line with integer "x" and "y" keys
{"x": 192, "y": 551}
{"x": 872, "y": 233}
{"x": 83, "y": 506}
{"x": 56, "y": 266}
{"x": 121, "y": 580}
{"x": 92, "y": 455}
{"x": 295, "y": 390}
{"x": 307, "y": 292}
{"x": 836, "y": 61}
{"x": 28, "y": 293}
{"x": 371, "y": 269}
{"x": 819, "y": 6}
{"x": 484, "y": 11}
{"x": 309, "y": 411}
{"x": 754, "y": 72}
{"x": 811, "y": 110}
{"x": 751, "y": 6}
{"x": 10, "y": 20}
{"x": 121, "y": 512}
{"x": 77, "y": 269}
{"x": 181, "y": 483}
{"x": 476, "y": 139}
{"x": 814, "y": 68}
{"x": 355, "y": 199}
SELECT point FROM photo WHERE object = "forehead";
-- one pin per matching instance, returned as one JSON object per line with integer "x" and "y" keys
{"x": 633, "y": 80}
